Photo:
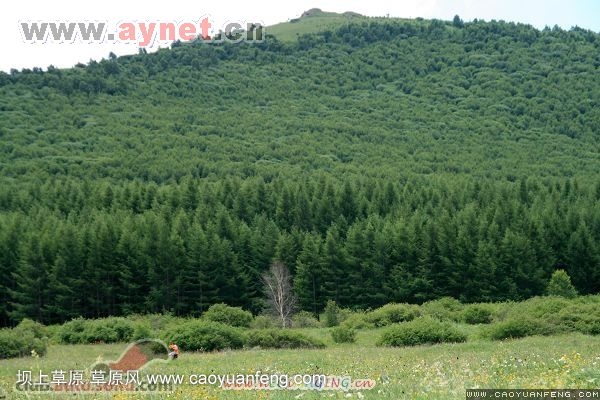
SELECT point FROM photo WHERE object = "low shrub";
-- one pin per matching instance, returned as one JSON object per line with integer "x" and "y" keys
{"x": 27, "y": 338}
{"x": 263, "y": 322}
{"x": 548, "y": 316}
{"x": 304, "y": 319}
{"x": 331, "y": 314}
{"x": 517, "y": 328}
{"x": 232, "y": 316}
{"x": 205, "y": 335}
{"x": 110, "y": 330}
{"x": 343, "y": 334}
{"x": 358, "y": 320}
{"x": 345, "y": 313}
{"x": 589, "y": 325}
{"x": 422, "y": 330}
{"x": 444, "y": 309}
{"x": 10, "y": 344}
{"x": 16, "y": 344}
{"x": 72, "y": 332}
{"x": 105, "y": 330}
{"x": 500, "y": 311}
{"x": 142, "y": 330}
{"x": 52, "y": 333}
{"x": 392, "y": 314}
{"x": 540, "y": 307}
{"x": 282, "y": 339}
{"x": 156, "y": 322}
{"x": 580, "y": 317}
{"x": 27, "y": 325}
{"x": 476, "y": 314}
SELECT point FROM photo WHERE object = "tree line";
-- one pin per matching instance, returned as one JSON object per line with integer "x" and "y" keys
{"x": 70, "y": 249}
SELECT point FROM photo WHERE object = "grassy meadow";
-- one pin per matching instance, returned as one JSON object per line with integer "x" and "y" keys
{"x": 315, "y": 21}
{"x": 422, "y": 372}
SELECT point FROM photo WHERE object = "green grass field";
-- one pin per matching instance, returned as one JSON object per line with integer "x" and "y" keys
{"x": 422, "y": 372}
{"x": 317, "y": 21}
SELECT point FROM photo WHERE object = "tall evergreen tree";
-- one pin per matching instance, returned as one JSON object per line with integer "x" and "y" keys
{"x": 309, "y": 276}
{"x": 31, "y": 296}
{"x": 10, "y": 243}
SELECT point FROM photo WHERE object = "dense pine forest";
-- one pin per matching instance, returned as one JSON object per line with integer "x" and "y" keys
{"x": 381, "y": 161}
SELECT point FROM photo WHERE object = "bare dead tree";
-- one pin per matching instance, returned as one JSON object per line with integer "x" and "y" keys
{"x": 280, "y": 293}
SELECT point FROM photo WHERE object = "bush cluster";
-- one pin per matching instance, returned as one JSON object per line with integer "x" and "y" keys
{"x": 105, "y": 330}
{"x": 232, "y": 316}
{"x": 444, "y": 309}
{"x": 343, "y": 334}
{"x": 548, "y": 316}
{"x": 223, "y": 327}
{"x": 202, "y": 335}
{"x": 282, "y": 339}
{"x": 331, "y": 314}
{"x": 264, "y": 322}
{"x": 305, "y": 319}
{"x": 580, "y": 317}
{"x": 27, "y": 338}
{"x": 392, "y": 314}
{"x": 517, "y": 327}
{"x": 422, "y": 330}
{"x": 477, "y": 314}
{"x": 358, "y": 320}
{"x": 198, "y": 334}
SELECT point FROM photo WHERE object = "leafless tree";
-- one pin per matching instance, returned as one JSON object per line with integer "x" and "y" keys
{"x": 280, "y": 294}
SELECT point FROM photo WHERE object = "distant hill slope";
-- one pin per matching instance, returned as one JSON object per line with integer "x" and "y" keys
{"x": 413, "y": 96}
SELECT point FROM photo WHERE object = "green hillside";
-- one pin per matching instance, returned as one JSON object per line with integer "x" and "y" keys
{"x": 380, "y": 159}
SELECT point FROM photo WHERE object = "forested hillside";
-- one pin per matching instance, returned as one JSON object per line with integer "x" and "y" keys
{"x": 383, "y": 160}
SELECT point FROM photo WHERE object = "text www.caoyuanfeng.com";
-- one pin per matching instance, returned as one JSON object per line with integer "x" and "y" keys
{"x": 135, "y": 381}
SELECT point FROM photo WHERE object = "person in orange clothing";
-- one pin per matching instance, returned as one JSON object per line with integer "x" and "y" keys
{"x": 174, "y": 350}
